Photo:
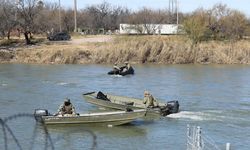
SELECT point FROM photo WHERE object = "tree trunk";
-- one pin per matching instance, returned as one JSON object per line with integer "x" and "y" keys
{"x": 2, "y": 34}
{"x": 8, "y": 34}
{"x": 30, "y": 35}
{"x": 26, "y": 35}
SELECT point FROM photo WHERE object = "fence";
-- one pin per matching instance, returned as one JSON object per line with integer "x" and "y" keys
{"x": 198, "y": 141}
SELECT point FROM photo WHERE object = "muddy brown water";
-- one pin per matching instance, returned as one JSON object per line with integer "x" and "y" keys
{"x": 215, "y": 97}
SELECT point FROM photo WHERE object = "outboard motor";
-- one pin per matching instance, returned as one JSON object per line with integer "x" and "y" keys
{"x": 173, "y": 106}
{"x": 39, "y": 113}
{"x": 101, "y": 96}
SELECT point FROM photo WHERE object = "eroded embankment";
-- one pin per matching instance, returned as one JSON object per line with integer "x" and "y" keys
{"x": 136, "y": 49}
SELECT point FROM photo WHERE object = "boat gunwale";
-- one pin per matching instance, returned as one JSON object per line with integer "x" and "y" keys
{"x": 101, "y": 114}
{"x": 128, "y": 117}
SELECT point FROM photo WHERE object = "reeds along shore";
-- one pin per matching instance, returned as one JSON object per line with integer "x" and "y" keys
{"x": 137, "y": 49}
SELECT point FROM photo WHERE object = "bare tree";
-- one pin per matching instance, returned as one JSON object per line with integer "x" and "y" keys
{"x": 247, "y": 33}
{"x": 47, "y": 20}
{"x": 145, "y": 20}
{"x": 28, "y": 10}
{"x": 112, "y": 19}
{"x": 67, "y": 21}
{"x": 7, "y": 17}
{"x": 227, "y": 23}
{"x": 97, "y": 14}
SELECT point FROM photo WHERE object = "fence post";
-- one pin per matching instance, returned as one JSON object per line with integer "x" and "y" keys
{"x": 199, "y": 142}
{"x": 188, "y": 136}
{"x": 188, "y": 130}
{"x": 228, "y": 145}
{"x": 193, "y": 137}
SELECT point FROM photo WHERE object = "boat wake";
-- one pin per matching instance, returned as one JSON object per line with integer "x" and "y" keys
{"x": 197, "y": 116}
{"x": 62, "y": 83}
{"x": 59, "y": 83}
{"x": 4, "y": 84}
{"x": 46, "y": 81}
{"x": 117, "y": 76}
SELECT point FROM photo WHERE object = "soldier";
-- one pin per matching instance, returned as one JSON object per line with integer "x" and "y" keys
{"x": 126, "y": 67}
{"x": 66, "y": 108}
{"x": 116, "y": 68}
{"x": 149, "y": 100}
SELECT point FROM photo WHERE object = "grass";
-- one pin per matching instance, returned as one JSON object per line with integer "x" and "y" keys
{"x": 10, "y": 42}
{"x": 138, "y": 49}
{"x": 172, "y": 50}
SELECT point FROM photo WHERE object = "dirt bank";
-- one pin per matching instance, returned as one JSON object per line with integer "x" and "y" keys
{"x": 136, "y": 49}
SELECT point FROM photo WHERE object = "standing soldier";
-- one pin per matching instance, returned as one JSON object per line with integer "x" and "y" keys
{"x": 149, "y": 100}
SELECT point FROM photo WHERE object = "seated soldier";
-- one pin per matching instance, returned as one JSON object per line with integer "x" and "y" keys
{"x": 126, "y": 67}
{"x": 66, "y": 108}
{"x": 116, "y": 69}
{"x": 149, "y": 100}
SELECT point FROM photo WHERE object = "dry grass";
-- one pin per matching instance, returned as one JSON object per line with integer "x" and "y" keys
{"x": 172, "y": 50}
{"x": 59, "y": 54}
{"x": 138, "y": 49}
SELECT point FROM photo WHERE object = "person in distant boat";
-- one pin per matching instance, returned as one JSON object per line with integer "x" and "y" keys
{"x": 126, "y": 67}
{"x": 116, "y": 69}
{"x": 66, "y": 108}
{"x": 149, "y": 100}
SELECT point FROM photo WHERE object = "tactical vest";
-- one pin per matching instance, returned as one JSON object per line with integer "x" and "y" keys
{"x": 68, "y": 109}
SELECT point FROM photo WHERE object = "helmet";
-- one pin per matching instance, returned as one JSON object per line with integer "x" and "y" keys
{"x": 67, "y": 100}
{"x": 146, "y": 93}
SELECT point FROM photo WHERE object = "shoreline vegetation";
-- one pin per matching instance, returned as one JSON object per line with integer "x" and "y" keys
{"x": 216, "y": 35}
{"x": 110, "y": 49}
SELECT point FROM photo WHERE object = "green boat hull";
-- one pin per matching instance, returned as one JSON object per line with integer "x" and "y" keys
{"x": 123, "y": 103}
{"x": 102, "y": 118}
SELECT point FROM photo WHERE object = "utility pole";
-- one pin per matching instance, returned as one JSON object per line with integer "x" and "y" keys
{"x": 75, "y": 12}
{"x": 177, "y": 12}
{"x": 173, "y": 8}
{"x": 60, "y": 26}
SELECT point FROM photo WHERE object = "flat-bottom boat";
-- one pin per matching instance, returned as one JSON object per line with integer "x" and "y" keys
{"x": 101, "y": 118}
{"x": 124, "y": 103}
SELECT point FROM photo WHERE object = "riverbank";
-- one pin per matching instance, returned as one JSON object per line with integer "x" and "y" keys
{"x": 135, "y": 49}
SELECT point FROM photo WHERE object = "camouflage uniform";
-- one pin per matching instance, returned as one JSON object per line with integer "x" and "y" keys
{"x": 66, "y": 109}
{"x": 115, "y": 67}
{"x": 126, "y": 67}
{"x": 149, "y": 100}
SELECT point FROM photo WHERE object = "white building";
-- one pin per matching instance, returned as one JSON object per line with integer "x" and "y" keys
{"x": 148, "y": 28}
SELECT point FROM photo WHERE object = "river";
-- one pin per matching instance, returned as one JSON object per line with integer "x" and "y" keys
{"x": 214, "y": 97}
